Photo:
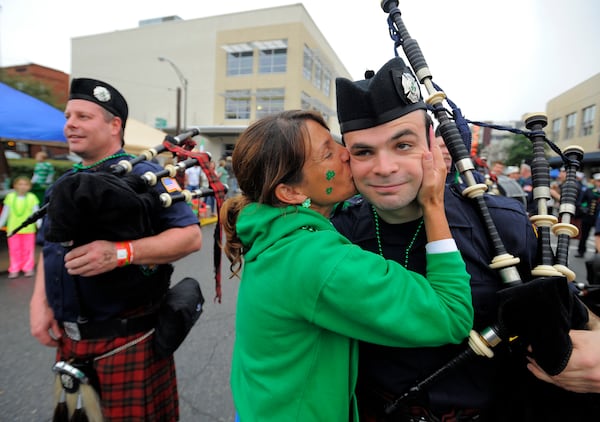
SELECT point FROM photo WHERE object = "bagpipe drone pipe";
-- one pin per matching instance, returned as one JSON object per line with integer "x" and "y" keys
{"x": 537, "y": 312}
{"x": 119, "y": 205}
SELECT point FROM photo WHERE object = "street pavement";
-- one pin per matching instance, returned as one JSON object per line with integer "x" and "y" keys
{"x": 203, "y": 360}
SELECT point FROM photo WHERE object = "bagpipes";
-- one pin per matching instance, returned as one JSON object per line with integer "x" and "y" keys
{"x": 128, "y": 198}
{"x": 539, "y": 311}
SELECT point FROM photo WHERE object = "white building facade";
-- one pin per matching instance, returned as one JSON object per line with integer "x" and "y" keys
{"x": 234, "y": 69}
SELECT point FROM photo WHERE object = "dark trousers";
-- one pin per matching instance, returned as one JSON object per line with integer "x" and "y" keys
{"x": 586, "y": 227}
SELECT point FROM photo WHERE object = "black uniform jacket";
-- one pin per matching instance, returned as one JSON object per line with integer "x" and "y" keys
{"x": 395, "y": 370}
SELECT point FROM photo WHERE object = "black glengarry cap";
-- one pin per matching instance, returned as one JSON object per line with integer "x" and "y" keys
{"x": 101, "y": 93}
{"x": 390, "y": 93}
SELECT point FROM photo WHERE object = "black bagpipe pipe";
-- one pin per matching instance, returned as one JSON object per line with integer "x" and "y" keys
{"x": 168, "y": 199}
{"x": 125, "y": 166}
{"x": 169, "y": 170}
{"x": 564, "y": 230}
{"x": 526, "y": 308}
{"x": 35, "y": 216}
{"x": 550, "y": 264}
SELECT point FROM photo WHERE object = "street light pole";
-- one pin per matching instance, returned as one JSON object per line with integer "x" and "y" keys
{"x": 184, "y": 83}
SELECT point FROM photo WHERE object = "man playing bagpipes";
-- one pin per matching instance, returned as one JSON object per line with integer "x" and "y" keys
{"x": 387, "y": 372}
{"x": 105, "y": 268}
{"x": 377, "y": 118}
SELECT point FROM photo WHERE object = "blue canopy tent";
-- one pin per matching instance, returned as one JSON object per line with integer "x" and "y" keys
{"x": 25, "y": 118}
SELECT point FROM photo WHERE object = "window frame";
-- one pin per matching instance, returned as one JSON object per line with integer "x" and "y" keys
{"x": 238, "y": 66}
{"x": 269, "y": 101}
{"x": 238, "y": 104}
{"x": 588, "y": 114}
{"x": 272, "y": 60}
{"x": 571, "y": 122}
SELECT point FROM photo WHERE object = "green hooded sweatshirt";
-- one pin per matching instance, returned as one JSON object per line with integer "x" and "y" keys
{"x": 307, "y": 293}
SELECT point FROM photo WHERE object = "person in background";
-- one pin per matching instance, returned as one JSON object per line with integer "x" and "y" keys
{"x": 508, "y": 185}
{"x": 525, "y": 178}
{"x": 589, "y": 208}
{"x": 384, "y": 125}
{"x": 302, "y": 301}
{"x": 192, "y": 178}
{"x": 526, "y": 182}
{"x": 496, "y": 170}
{"x": 444, "y": 149}
{"x": 97, "y": 302}
{"x": 233, "y": 184}
{"x": 43, "y": 175}
{"x": 512, "y": 172}
{"x": 556, "y": 187}
{"x": 18, "y": 206}
{"x": 222, "y": 172}
{"x": 582, "y": 183}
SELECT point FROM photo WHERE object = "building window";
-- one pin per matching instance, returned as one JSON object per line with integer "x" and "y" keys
{"x": 272, "y": 61}
{"x": 237, "y": 104}
{"x": 571, "y": 119}
{"x": 269, "y": 101}
{"x": 272, "y": 56}
{"x": 239, "y": 63}
{"x": 304, "y": 104}
{"x": 326, "y": 82}
{"x": 307, "y": 63}
{"x": 309, "y": 103}
{"x": 587, "y": 124}
{"x": 240, "y": 59}
{"x": 556, "y": 130}
{"x": 318, "y": 74}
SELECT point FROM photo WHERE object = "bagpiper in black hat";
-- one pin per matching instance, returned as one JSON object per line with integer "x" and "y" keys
{"x": 382, "y": 97}
{"x": 101, "y": 93}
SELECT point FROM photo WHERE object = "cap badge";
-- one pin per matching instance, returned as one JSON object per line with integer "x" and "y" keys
{"x": 411, "y": 87}
{"x": 102, "y": 94}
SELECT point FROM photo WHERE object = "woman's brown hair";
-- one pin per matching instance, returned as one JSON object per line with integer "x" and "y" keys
{"x": 269, "y": 152}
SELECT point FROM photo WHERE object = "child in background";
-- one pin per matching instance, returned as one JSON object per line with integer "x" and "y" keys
{"x": 43, "y": 175}
{"x": 18, "y": 205}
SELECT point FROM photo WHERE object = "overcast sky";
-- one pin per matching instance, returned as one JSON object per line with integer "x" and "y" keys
{"x": 495, "y": 59}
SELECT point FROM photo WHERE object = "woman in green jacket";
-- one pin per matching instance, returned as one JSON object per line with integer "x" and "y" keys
{"x": 307, "y": 294}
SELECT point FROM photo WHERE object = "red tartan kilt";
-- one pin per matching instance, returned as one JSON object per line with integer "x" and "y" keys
{"x": 134, "y": 385}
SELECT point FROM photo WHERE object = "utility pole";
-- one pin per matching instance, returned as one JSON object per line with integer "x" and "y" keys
{"x": 184, "y": 84}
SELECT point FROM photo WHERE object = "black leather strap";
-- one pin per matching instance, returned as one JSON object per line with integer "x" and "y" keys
{"x": 122, "y": 327}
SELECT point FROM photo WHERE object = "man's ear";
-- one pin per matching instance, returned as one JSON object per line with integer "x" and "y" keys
{"x": 116, "y": 124}
{"x": 289, "y": 194}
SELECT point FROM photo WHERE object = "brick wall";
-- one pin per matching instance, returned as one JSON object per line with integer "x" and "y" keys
{"x": 56, "y": 80}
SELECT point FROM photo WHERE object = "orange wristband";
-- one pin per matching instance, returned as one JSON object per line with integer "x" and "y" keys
{"x": 124, "y": 253}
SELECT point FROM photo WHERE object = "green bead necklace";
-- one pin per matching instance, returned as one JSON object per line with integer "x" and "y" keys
{"x": 79, "y": 166}
{"x": 378, "y": 236}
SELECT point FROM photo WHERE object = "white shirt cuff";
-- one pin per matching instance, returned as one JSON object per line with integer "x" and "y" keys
{"x": 441, "y": 246}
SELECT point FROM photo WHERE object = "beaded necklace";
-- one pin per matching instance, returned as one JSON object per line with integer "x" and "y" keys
{"x": 378, "y": 236}
{"x": 79, "y": 166}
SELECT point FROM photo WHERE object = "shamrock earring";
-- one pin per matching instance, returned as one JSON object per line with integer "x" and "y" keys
{"x": 306, "y": 203}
